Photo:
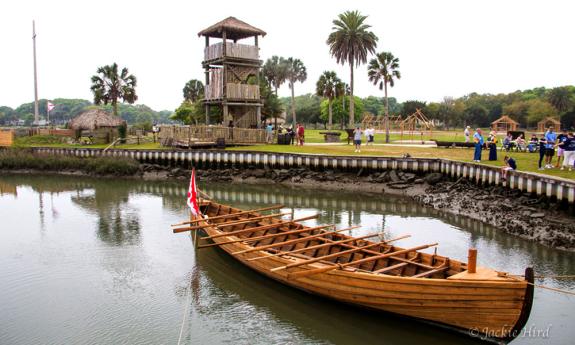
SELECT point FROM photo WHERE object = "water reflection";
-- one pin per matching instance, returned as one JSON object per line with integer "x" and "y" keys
{"x": 112, "y": 255}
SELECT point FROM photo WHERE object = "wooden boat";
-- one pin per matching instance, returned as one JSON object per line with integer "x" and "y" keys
{"x": 488, "y": 304}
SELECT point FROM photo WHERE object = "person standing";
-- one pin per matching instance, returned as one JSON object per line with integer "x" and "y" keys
{"x": 270, "y": 133}
{"x": 550, "y": 139}
{"x": 560, "y": 138}
{"x": 492, "y": 144}
{"x": 371, "y": 135}
{"x": 296, "y": 133}
{"x": 357, "y": 139}
{"x": 568, "y": 147}
{"x": 466, "y": 133}
{"x": 542, "y": 149}
{"x": 478, "y": 139}
{"x": 301, "y": 135}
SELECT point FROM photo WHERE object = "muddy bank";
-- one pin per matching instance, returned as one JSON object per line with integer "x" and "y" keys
{"x": 532, "y": 217}
{"x": 527, "y": 215}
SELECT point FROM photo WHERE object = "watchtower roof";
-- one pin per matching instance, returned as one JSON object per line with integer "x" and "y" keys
{"x": 235, "y": 29}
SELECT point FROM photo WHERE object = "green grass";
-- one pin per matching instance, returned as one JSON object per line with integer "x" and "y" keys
{"x": 55, "y": 141}
{"x": 24, "y": 159}
{"x": 314, "y": 136}
{"x": 525, "y": 161}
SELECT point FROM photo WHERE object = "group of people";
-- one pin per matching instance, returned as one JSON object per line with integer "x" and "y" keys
{"x": 297, "y": 135}
{"x": 550, "y": 144}
{"x": 369, "y": 137}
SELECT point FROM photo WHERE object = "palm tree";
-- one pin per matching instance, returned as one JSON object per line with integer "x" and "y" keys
{"x": 351, "y": 42}
{"x": 382, "y": 70}
{"x": 329, "y": 86}
{"x": 560, "y": 98}
{"x": 295, "y": 72}
{"x": 109, "y": 86}
{"x": 274, "y": 71}
{"x": 193, "y": 90}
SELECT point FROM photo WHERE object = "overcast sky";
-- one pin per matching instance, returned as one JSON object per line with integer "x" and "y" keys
{"x": 445, "y": 48}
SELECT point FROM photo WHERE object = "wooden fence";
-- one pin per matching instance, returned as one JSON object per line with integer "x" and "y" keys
{"x": 244, "y": 51}
{"x": 6, "y": 137}
{"x": 189, "y": 135}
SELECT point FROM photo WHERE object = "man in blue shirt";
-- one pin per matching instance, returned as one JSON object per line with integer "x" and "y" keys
{"x": 269, "y": 133}
{"x": 478, "y": 139}
{"x": 550, "y": 139}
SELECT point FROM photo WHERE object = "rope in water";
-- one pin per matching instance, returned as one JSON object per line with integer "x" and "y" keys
{"x": 188, "y": 302}
{"x": 547, "y": 287}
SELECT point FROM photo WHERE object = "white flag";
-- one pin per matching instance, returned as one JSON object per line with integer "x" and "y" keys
{"x": 50, "y": 106}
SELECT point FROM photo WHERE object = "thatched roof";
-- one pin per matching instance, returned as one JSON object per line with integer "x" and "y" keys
{"x": 549, "y": 119}
{"x": 504, "y": 119}
{"x": 95, "y": 118}
{"x": 235, "y": 29}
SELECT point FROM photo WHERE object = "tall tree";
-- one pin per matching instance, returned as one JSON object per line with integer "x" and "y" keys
{"x": 560, "y": 98}
{"x": 275, "y": 72}
{"x": 382, "y": 70}
{"x": 295, "y": 72}
{"x": 351, "y": 42}
{"x": 327, "y": 86}
{"x": 193, "y": 90}
{"x": 109, "y": 86}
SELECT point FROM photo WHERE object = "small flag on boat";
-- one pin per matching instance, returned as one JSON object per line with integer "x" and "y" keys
{"x": 50, "y": 106}
{"x": 192, "y": 195}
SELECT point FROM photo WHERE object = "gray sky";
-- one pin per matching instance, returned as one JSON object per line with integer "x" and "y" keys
{"x": 445, "y": 48}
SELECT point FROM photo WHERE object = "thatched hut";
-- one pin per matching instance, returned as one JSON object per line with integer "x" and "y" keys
{"x": 504, "y": 124}
{"x": 102, "y": 126}
{"x": 548, "y": 122}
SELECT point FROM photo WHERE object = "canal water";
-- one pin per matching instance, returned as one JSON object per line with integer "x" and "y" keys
{"x": 86, "y": 261}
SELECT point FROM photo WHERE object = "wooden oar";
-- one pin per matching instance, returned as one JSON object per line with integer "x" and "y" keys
{"x": 259, "y": 238}
{"x": 263, "y": 227}
{"x": 329, "y": 256}
{"x": 332, "y": 243}
{"x": 231, "y": 223}
{"x": 277, "y": 244}
{"x": 229, "y": 215}
{"x": 356, "y": 262}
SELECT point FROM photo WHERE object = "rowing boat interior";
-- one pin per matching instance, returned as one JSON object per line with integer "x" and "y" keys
{"x": 413, "y": 264}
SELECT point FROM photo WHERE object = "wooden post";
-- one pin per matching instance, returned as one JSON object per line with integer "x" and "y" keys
{"x": 472, "y": 260}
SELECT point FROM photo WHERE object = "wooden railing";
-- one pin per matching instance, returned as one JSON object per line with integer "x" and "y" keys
{"x": 243, "y": 51}
{"x": 189, "y": 135}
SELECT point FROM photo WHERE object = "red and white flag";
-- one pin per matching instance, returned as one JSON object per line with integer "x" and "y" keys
{"x": 50, "y": 106}
{"x": 192, "y": 195}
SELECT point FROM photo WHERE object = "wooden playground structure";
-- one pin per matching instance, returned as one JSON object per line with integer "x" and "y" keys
{"x": 416, "y": 123}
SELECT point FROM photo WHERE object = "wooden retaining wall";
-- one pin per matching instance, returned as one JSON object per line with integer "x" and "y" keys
{"x": 562, "y": 189}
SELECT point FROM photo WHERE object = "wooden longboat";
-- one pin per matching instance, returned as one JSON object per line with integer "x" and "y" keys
{"x": 487, "y": 304}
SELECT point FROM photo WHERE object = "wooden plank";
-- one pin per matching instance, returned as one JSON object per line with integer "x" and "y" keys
{"x": 329, "y": 256}
{"x": 278, "y": 244}
{"x": 328, "y": 244}
{"x": 391, "y": 268}
{"x": 357, "y": 262}
{"x": 259, "y": 238}
{"x": 232, "y": 214}
{"x": 431, "y": 272}
{"x": 231, "y": 223}
{"x": 263, "y": 227}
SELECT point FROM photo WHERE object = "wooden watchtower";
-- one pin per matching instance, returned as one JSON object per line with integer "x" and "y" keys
{"x": 232, "y": 72}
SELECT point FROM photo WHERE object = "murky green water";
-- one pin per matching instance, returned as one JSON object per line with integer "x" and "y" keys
{"x": 84, "y": 261}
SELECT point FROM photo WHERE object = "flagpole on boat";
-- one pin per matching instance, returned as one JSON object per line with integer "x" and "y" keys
{"x": 36, "y": 113}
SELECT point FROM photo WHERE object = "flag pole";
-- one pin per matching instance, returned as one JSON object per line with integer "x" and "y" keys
{"x": 36, "y": 114}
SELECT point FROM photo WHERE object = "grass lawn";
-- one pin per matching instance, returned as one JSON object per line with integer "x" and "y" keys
{"x": 314, "y": 136}
{"x": 525, "y": 161}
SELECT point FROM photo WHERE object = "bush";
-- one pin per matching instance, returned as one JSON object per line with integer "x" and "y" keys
{"x": 26, "y": 159}
{"x": 38, "y": 140}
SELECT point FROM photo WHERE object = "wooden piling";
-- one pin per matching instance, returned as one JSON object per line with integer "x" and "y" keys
{"x": 472, "y": 261}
